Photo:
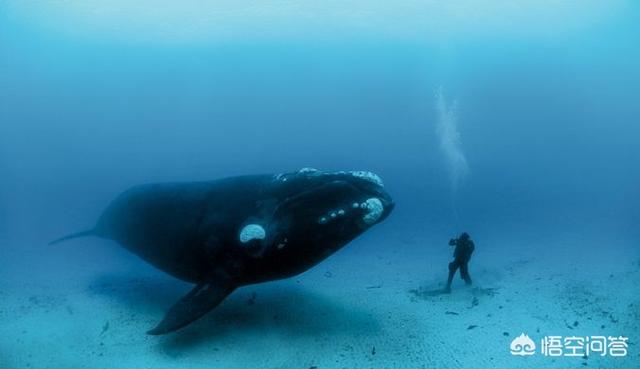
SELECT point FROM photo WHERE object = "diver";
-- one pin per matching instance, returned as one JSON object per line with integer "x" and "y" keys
{"x": 461, "y": 256}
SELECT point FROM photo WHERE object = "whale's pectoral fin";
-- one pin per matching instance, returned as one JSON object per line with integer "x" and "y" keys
{"x": 193, "y": 306}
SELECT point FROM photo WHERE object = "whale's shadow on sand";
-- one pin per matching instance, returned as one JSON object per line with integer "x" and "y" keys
{"x": 281, "y": 308}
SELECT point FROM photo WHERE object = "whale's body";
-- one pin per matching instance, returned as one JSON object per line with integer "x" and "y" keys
{"x": 237, "y": 231}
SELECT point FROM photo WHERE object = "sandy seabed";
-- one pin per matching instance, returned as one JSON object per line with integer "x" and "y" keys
{"x": 372, "y": 305}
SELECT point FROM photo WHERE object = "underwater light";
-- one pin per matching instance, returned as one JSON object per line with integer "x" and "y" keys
{"x": 192, "y": 20}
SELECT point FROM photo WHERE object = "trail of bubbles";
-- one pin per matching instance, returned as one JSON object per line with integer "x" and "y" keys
{"x": 451, "y": 145}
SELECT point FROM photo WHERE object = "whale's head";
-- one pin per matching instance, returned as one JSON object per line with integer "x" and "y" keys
{"x": 345, "y": 199}
{"x": 319, "y": 212}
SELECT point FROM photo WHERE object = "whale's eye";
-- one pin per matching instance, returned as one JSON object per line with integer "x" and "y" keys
{"x": 252, "y": 232}
{"x": 374, "y": 209}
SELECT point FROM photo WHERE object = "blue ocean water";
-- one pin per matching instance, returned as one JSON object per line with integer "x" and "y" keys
{"x": 516, "y": 123}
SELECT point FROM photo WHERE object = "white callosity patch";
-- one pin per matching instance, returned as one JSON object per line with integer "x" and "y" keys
{"x": 285, "y": 176}
{"x": 252, "y": 232}
{"x": 369, "y": 176}
{"x": 331, "y": 215}
{"x": 362, "y": 174}
{"x": 374, "y": 210}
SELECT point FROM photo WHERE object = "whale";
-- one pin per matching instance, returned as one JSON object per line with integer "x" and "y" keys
{"x": 236, "y": 231}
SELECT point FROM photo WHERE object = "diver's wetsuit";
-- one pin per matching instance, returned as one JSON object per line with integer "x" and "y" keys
{"x": 461, "y": 255}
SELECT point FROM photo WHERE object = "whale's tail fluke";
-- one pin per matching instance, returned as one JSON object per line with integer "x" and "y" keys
{"x": 90, "y": 232}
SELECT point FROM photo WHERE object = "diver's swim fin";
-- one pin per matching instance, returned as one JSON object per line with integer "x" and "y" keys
{"x": 193, "y": 306}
